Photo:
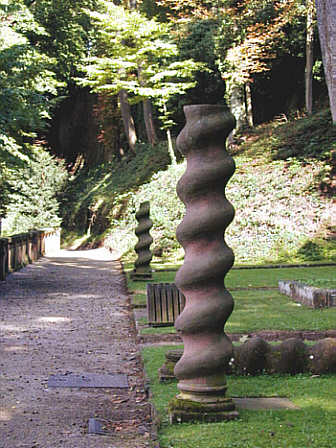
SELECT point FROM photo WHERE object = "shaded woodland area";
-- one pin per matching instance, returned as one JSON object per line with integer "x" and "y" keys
{"x": 93, "y": 88}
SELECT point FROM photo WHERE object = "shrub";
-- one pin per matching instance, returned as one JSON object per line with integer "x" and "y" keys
{"x": 32, "y": 201}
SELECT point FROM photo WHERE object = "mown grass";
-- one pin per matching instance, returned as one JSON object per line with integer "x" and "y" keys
{"x": 266, "y": 310}
{"x": 259, "y": 309}
{"x": 254, "y": 278}
{"x": 313, "y": 426}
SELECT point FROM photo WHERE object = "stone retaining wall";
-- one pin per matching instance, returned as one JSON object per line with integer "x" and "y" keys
{"x": 308, "y": 295}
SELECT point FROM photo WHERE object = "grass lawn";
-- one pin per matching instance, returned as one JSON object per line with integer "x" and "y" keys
{"x": 260, "y": 309}
{"x": 269, "y": 310}
{"x": 313, "y": 426}
{"x": 254, "y": 278}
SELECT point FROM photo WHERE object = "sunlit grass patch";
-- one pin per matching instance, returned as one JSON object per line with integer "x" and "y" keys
{"x": 312, "y": 426}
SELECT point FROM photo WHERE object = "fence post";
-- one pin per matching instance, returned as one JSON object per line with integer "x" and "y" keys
{"x": 3, "y": 258}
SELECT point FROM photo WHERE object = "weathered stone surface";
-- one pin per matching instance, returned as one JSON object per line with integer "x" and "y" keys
{"x": 201, "y": 370}
{"x": 88, "y": 380}
{"x": 308, "y": 295}
{"x": 142, "y": 270}
{"x": 166, "y": 372}
{"x": 291, "y": 356}
{"x": 96, "y": 427}
{"x": 256, "y": 356}
{"x": 322, "y": 358}
{"x": 251, "y": 357}
{"x": 196, "y": 411}
{"x": 69, "y": 313}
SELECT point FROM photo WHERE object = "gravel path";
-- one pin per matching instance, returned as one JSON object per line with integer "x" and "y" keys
{"x": 69, "y": 314}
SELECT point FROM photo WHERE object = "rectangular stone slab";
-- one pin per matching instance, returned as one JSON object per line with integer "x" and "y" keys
{"x": 276, "y": 403}
{"x": 88, "y": 380}
{"x": 95, "y": 427}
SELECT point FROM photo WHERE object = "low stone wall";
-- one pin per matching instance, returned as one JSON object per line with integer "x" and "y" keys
{"x": 308, "y": 295}
{"x": 256, "y": 357}
{"x": 19, "y": 250}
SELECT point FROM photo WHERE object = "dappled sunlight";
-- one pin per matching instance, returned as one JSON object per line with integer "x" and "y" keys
{"x": 232, "y": 324}
{"x": 15, "y": 348}
{"x": 318, "y": 403}
{"x": 69, "y": 295}
{"x": 100, "y": 254}
{"x": 5, "y": 415}
{"x": 82, "y": 264}
{"x": 53, "y": 319}
{"x": 12, "y": 328}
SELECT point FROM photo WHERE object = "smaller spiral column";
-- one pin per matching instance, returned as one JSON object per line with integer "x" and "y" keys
{"x": 201, "y": 369}
{"x": 142, "y": 269}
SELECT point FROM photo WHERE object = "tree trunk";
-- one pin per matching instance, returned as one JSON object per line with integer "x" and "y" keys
{"x": 127, "y": 120}
{"x": 237, "y": 104}
{"x": 326, "y": 20}
{"x": 309, "y": 56}
{"x": 148, "y": 113}
{"x": 170, "y": 147}
{"x": 149, "y": 122}
{"x": 169, "y": 139}
{"x": 249, "y": 109}
{"x": 132, "y": 4}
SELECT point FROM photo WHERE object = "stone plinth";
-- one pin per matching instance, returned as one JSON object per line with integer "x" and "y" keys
{"x": 142, "y": 269}
{"x": 308, "y": 295}
{"x": 201, "y": 370}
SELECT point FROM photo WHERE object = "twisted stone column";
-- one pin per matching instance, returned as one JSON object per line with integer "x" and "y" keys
{"x": 142, "y": 270}
{"x": 200, "y": 371}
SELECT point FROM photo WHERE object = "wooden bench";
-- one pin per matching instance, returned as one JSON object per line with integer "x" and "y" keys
{"x": 164, "y": 303}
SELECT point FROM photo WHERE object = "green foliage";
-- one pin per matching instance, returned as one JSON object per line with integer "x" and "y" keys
{"x": 96, "y": 198}
{"x": 26, "y": 79}
{"x": 281, "y": 215}
{"x": 272, "y": 201}
{"x": 312, "y": 137}
{"x": 133, "y": 53}
{"x": 323, "y": 283}
{"x": 166, "y": 212}
{"x": 198, "y": 41}
{"x": 68, "y": 34}
{"x": 4, "y": 189}
{"x": 34, "y": 183}
{"x": 300, "y": 142}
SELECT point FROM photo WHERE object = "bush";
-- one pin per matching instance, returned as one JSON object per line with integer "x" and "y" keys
{"x": 32, "y": 200}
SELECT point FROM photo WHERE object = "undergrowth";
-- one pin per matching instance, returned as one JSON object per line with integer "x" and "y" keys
{"x": 30, "y": 183}
{"x": 282, "y": 196}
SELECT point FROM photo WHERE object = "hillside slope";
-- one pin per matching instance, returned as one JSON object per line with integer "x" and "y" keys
{"x": 282, "y": 194}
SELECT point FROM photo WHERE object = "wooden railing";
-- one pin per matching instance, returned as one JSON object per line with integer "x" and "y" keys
{"x": 19, "y": 250}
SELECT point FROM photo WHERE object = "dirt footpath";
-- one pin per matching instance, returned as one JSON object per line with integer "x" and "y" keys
{"x": 69, "y": 315}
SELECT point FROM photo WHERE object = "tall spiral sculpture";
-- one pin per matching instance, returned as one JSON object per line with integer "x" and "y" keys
{"x": 142, "y": 270}
{"x": 200, "y": 371}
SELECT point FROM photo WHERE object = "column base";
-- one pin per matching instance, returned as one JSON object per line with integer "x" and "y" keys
{"x": 141, "y": 276}
{"x": 166, "y": 371}
{"x": 183, "y": 410}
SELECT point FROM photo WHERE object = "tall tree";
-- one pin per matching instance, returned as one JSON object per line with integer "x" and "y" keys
{"x": 326, "y": 20}
{"x": 138, "y": 56}
{"x": 129, "y": 126}
{"x": 68, "y": 33}
{"x": 310, "y": 6}
{"x": 27, "y": 80}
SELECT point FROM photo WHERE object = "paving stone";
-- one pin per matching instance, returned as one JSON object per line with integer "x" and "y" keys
{"x": 88, "y": 380}
{"x": 95, "y": 427}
